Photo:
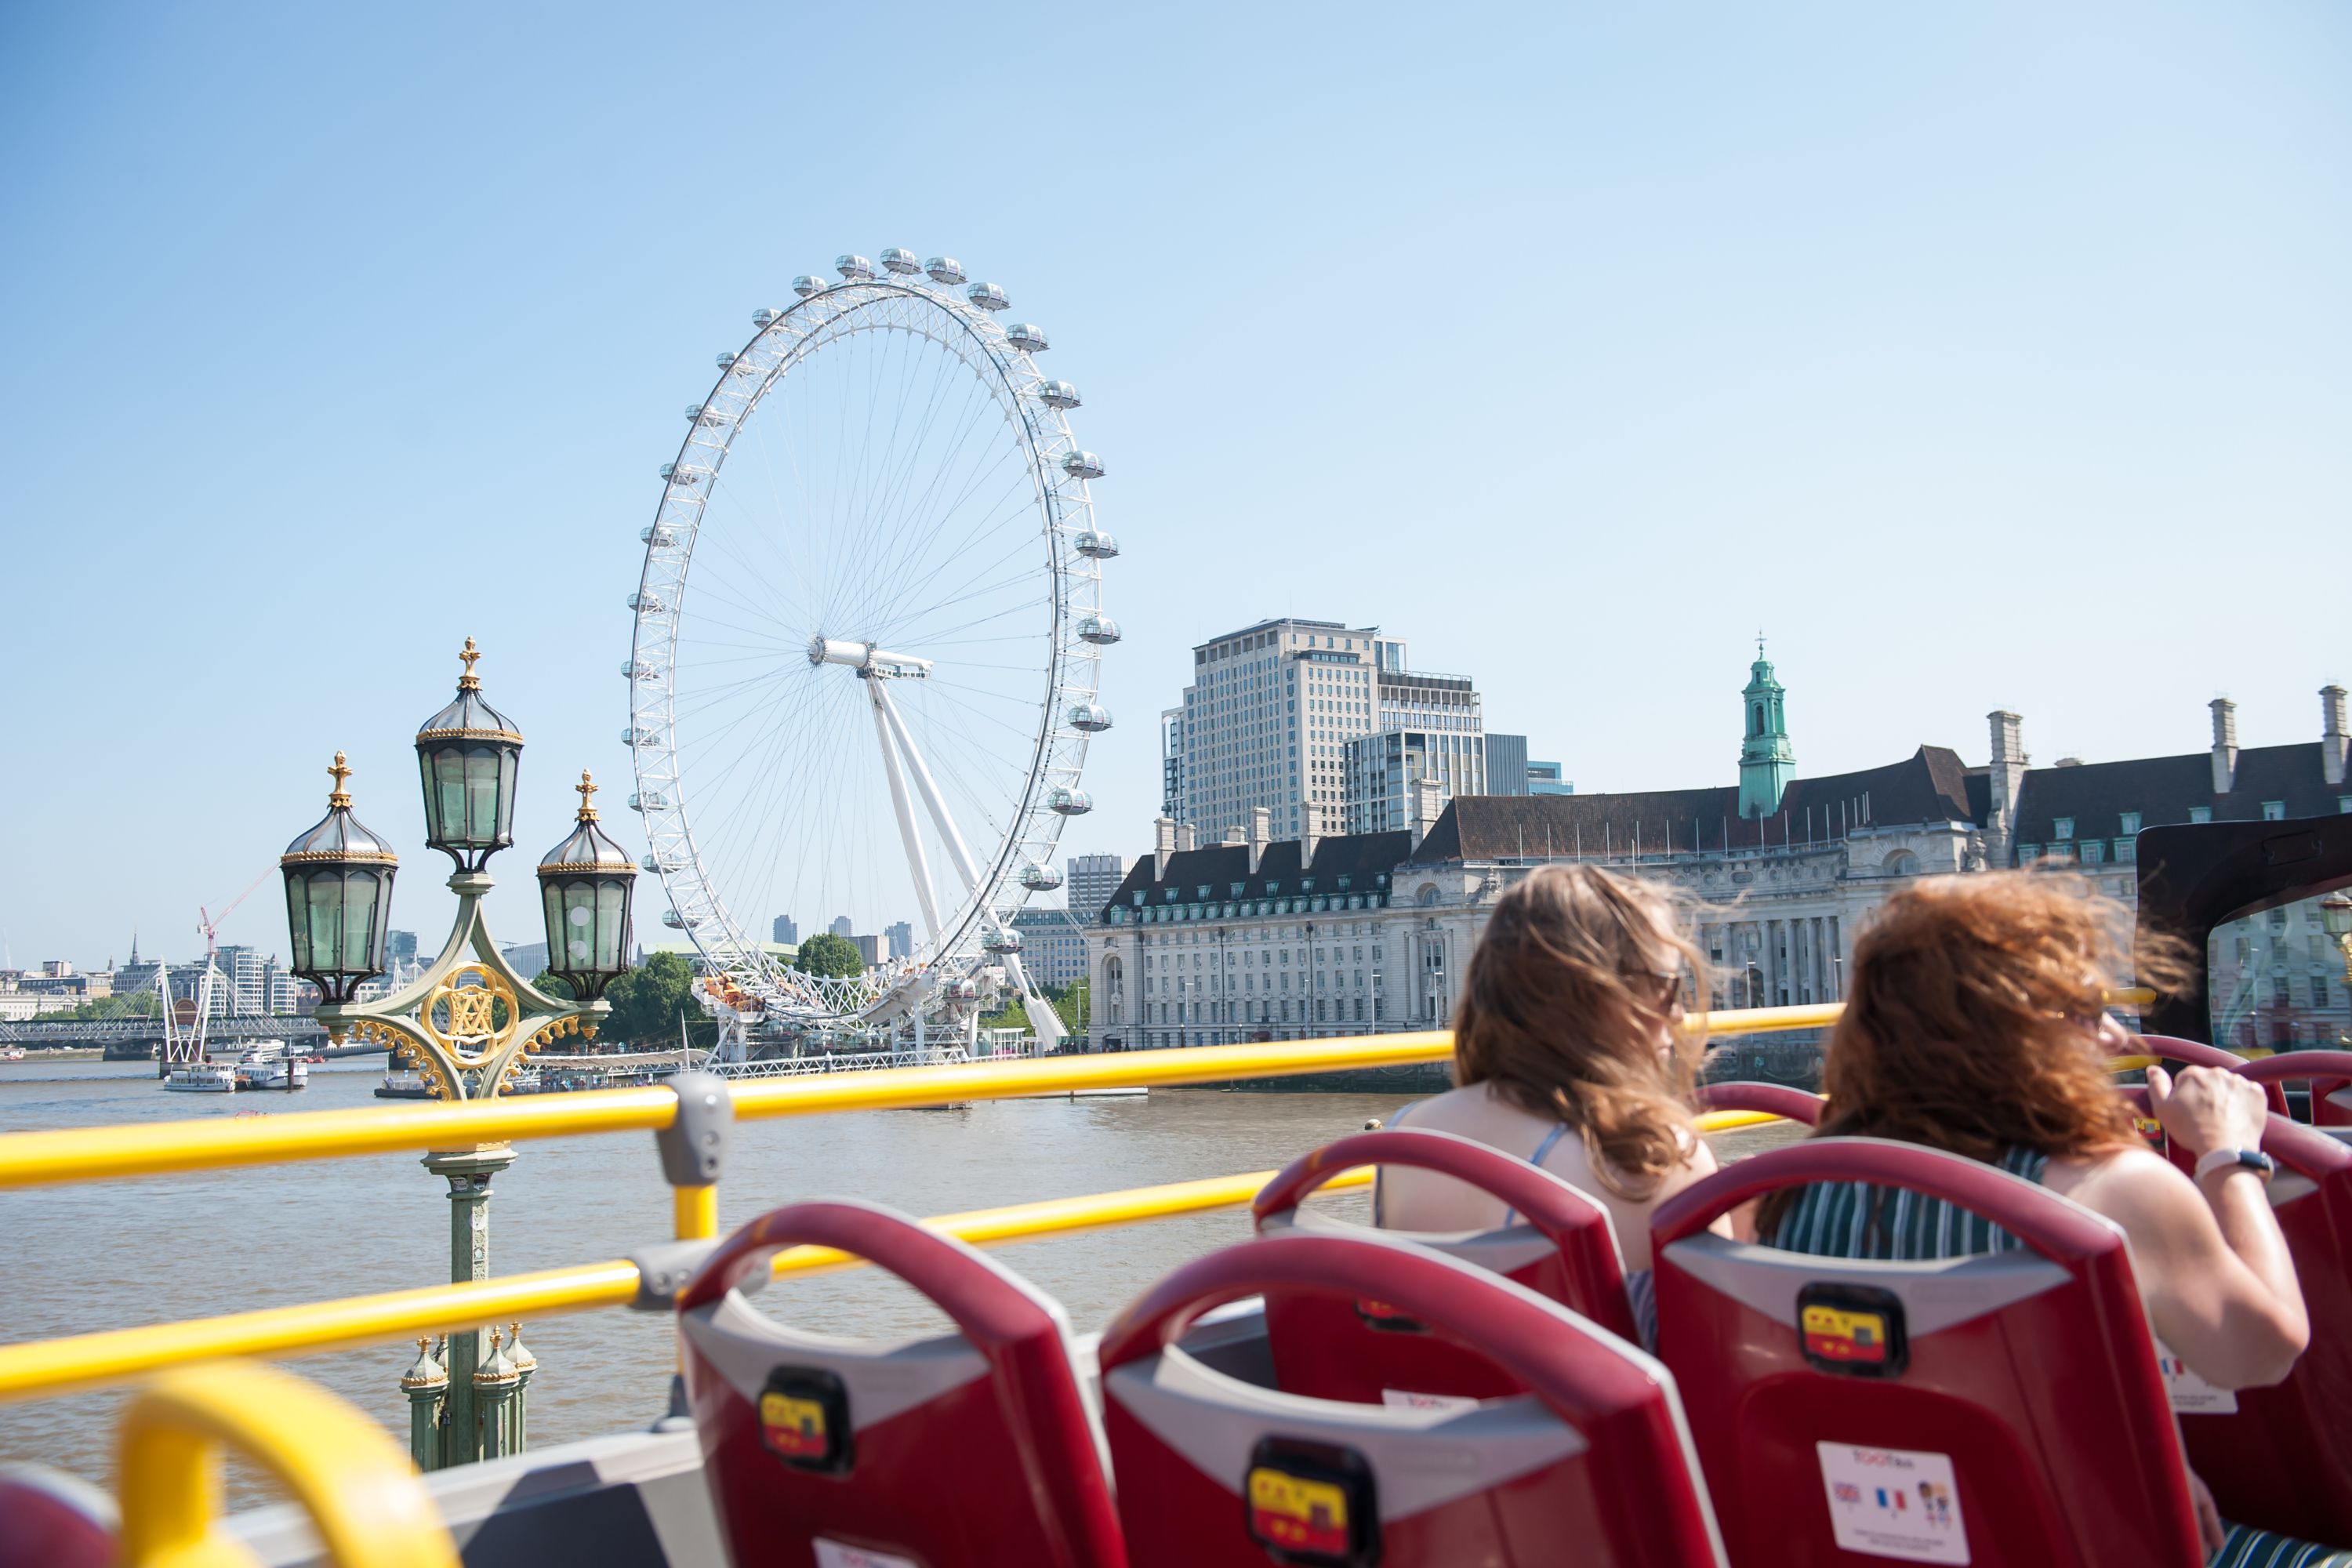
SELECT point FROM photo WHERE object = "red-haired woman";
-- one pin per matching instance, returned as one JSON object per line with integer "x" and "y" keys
{"x": 1570, "y": 1051}
{"x": 1975, "y": 1023}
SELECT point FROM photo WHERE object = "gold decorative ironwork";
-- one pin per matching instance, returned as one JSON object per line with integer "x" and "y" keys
{"x": 339, "y": 771}
{"x": 469, "y": 682}
{"x": 586, "y": 786}
{"x": 461, "y": 1014}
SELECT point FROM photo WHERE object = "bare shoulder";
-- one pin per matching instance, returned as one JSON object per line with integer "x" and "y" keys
{"x": 2136, "y": 1188}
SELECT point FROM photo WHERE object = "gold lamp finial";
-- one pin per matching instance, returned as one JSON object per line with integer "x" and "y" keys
{"x": 587, "y": 787}
{"x": 469, "y": 682}
{"x": 339, "y": 771}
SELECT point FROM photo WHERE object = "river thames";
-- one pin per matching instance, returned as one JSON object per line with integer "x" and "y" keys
{"x": 117, "y": 1254}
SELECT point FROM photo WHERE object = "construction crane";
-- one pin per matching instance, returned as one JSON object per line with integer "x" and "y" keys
{"x": 183, "y": 1044}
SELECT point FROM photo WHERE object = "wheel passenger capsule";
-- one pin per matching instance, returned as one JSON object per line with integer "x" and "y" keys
{"x": 1100, "y": 630}
{"x": 1083, "y": 466}
{"x": 808, "y": 283}
{"x": 1057, "y": 395}
{"x": 987, "y": 295}
{"x": 1026, "y": 336}
{"x": 853, "y": 268}
{"x": 901, "y": 262}
{"x": 945, "y": 271}
{"x": 1091, "y": 717}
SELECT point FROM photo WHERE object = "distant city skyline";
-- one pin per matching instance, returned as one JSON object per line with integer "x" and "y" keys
{"x": 1584, "y": 340}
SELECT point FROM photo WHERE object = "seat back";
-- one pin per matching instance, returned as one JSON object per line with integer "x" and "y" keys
{"x": 1217, "y": 1471}
{"x": 2281, "y": 1457}
{"x": 1999, "y": 1410}
{"x": 2329, "y": 1074}
{"x": 1771, "y": 1099}
{"x": 1563, "y": 1245}
{"x": 971, "y": 1447}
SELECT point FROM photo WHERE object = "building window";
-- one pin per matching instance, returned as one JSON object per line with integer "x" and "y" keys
{"x": 2062, "y": 827}
{"x": 2092, "y": 851}
{"x": 2027, "y": 854}
{"x": 2200, "y": 813}
{"x": 2274, "y": 810}
{"x": 2129, "y": 825}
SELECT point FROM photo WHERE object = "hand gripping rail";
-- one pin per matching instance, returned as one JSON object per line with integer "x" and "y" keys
{"x": 2029, "y": 1376}
{"x": 2198, "y": 1054}
{"x": 2328, "y": 1072}
{"x": 1603, "y": 1457}
{"x": 976, "y": 1447}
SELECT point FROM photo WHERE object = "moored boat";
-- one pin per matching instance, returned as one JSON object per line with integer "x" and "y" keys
{"x": 202, "y": 1078}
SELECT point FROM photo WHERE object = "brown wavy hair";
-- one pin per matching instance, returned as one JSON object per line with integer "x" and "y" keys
{"x": 1573, "y": 989}
{"x": 1966, "y": 1016}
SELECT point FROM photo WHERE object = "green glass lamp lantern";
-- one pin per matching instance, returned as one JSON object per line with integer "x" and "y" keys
{"x": 338, "y": 896}
{"x": 584, "y": 884}
{"x": 467, "y": 754}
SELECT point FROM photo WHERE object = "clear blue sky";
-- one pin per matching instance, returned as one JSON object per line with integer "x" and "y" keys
{"x": 1987, "y": 355}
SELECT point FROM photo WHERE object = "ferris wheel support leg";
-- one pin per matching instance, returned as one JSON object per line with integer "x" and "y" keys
{"x": 917, "y": 863}
{"x": 932, "y": 800}
{"x": 1044, "y": 1022}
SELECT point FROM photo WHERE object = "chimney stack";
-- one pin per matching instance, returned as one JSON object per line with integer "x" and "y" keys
{"x": 1163, "y": 844}
{"x": 2225, "y": 745}
{"x": 2007, "y": 778}
{"x": 1428, "y": 804}
{"x": 2334, "y": 745}
{"x": 1260, "y": 829}
{"x": 1188, "y": 839}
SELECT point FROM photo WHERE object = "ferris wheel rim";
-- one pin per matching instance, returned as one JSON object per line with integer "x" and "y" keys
{"x": 1062, "y": 503}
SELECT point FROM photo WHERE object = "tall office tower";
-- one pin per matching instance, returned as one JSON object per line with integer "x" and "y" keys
{"x": 1091, "y": 881}
{"x": 842, "y": 926}
{"x": 900, "y": 934}
{"x": 1266, "y": 721}
{"x": 1507, "y": 764}
{"x": 786, "y": 932}
{"x": 1171, "y": 764}
{"x": 1431, "y": 727}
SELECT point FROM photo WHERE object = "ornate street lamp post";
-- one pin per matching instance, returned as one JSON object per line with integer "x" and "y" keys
{"x": 469, "y": 1022}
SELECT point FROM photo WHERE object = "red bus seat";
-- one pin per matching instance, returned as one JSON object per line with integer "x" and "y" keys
{"x": 1217, "y": 1470}
{"x": 2328, "y": 1072}
{"x": 1999, "y": 1410}
{"x": 1563, "y": 1246}
{"x": 970, "y": 1448}
{"x": 2281, "y": 1457}
{"x": 1772, "y": 1099}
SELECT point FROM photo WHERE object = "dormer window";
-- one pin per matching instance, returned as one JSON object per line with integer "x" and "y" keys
{"x": 1204, "y": 892}
{"x": 2130, "y": 823}
{"x": 1238, "y": 888}
{"x": 1305, "y": 884}
{"x": 2062, "y": 828}
{"x": 2274, "y": 810}
{"x": 1343, "y": 884}
{"x": 2200, "y": 813}
{"x": 1271, "y": 889}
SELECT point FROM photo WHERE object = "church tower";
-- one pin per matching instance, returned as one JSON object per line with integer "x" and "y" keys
{"x": 1766, "y": 763}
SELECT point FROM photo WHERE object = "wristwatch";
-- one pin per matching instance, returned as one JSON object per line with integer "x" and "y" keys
{"x": 2254, "y": 1160}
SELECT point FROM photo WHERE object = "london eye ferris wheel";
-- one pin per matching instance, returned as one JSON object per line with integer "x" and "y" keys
{"x": 866, "y": 654}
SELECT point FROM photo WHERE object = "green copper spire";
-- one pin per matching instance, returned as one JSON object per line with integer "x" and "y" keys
{"x": 1766, "y": 763}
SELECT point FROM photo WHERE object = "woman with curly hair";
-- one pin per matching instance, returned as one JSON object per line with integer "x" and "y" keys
{"x": 1975, "y": 1022}
{"x": 1570, "y": 1051}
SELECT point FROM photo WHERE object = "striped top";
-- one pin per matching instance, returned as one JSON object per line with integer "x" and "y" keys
{"x": 1857, "y": 1219}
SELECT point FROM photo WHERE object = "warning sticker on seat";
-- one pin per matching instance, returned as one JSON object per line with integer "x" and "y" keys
{"x": 1894, "y": 1502}
{"x": 2191, "y": 1394}
{"x": 1405, "y": 1399}
{"x": 834, "y": 1554}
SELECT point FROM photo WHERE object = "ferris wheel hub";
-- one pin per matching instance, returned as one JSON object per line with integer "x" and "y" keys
{"x": 867, "y": 658}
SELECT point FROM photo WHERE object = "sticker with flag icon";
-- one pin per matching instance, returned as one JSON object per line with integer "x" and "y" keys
{"x": 1836, "y": 1335}
{"x": 1299, "y": 1513}
{"x": 794, "y": 1428}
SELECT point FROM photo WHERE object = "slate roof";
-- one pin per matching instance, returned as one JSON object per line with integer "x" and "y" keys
{"x": 2162, "y": 789}
{"x": 1364, "y": 858}
{"x": 1930, "y": 785}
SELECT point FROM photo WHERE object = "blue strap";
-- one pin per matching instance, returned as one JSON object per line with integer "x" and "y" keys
{"x": 1536, "y": 1160}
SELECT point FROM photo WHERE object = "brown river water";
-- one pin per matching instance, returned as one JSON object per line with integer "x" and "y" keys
{"x": 116, "y": 1254}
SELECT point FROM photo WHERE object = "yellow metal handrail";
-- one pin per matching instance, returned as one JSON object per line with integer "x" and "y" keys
{"x": 81, "y": 1361}
{"x": 150, "y": 1149}
{"x": 360, "y": 1492}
